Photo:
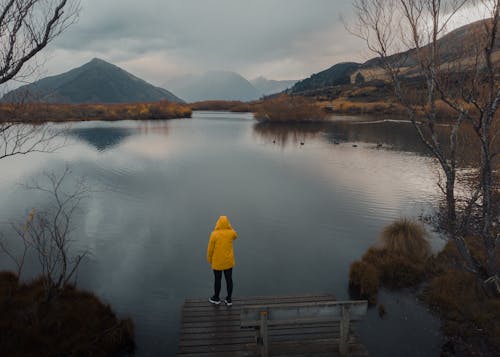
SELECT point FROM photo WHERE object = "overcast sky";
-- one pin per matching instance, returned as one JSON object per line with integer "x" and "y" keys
{"x": 161, "y": 39}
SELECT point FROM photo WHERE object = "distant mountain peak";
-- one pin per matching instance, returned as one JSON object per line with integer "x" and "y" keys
{"x": 96, "y": 81}
{"x": 271, "y": 86}
{"x": 214, "y": 85}
{"x": 97, "y": 60}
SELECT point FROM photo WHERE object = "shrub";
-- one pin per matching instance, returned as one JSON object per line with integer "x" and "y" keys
{"x": 285, "y": 108}
{"x": 407, "y": 239}
{"x": 399, "y": 262}
{"x": 41, "y": 112}
{"x": 395, "y": 270}
{"x": 74, "y": 323}
{"x": 364, "y": 278}
{"x": 228, "y": 105}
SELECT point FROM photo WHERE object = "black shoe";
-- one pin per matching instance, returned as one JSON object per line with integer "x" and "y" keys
{"x": 228, "y": 302}
{"x": 214, "y": 300}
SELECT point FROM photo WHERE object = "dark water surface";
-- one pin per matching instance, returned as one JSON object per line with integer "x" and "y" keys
{"x": 303, "y": 214}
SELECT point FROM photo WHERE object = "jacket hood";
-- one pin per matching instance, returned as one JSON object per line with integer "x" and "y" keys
{"x": 223, "y": 223}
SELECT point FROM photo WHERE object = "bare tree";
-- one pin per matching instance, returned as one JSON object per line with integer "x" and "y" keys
{"x": 406, "y": 36}
{"x": 26, "y": 28}
{"x": 48, "y": 232}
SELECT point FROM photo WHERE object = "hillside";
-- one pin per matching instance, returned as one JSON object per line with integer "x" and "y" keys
{"x": 339, "y": 80}
{"x": 214, "y": 85}
{"x": 269, "y": 86}
{"x": 95, "y": 82}
{"x": 338, "y": 74}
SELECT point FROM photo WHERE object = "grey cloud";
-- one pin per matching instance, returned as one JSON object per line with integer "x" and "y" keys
{"x": 251, "y": 37}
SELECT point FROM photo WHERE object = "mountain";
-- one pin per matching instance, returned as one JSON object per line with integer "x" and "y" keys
{"x": 456, "y": 45}
{"x": 269, "y": 86}
{"x": 336, "y": 75}
{"x": 95, "y": 82}
{"x": 214, "y": 85}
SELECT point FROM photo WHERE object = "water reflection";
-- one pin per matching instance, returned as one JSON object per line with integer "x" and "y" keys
{"x": 303, "y": 213}
{"x": 285, "y": 134}
{"x": 102, "y": 138}
{"x": 395, "y": 135}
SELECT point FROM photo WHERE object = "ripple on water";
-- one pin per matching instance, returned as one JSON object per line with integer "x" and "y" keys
{"x": 303, "y": 214}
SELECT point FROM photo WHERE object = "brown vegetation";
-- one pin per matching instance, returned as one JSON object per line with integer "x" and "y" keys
{"x": 469, "y": 311}
{"x": 285, "y": 108}
{"x": 388, "y": 106}
{"x": 43, "y": 112}
{"x": 398, "y": 262}
{"x": 223, "y": 105}
{"x": 74, "y": 323}
{"x": 402, "y": 259}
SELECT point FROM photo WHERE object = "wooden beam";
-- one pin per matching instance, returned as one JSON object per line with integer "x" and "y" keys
{"x": 300, "y": 313}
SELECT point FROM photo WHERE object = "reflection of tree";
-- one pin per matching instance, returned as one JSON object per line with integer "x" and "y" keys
{"x": 101, "y": 138}
{"x": 393, "y": 135}
{"x": 285, "y": 134}
{"x": 157, "y": 127}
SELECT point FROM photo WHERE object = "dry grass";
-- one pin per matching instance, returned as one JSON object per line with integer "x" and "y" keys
{"x": 43, "y": 112}
{"x": 407, "y": 239}
{"x": 223, "y": 105}
{"x": 346, "y": 106}
{"x": 364, "y": 277}
{"x": 284, "y": 108}
{"x": 398, "y": 262}
{"x": 469, "y": 313}
{"x": 74, "y": 323}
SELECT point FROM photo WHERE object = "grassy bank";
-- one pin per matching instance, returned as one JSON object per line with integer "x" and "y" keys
{"x": 73, "y": 323}
{"x": 401, "y": 259}
{"x": 43, "y": 112}
{"x": 235, "y": 106}
{"x": 285, "y": 108}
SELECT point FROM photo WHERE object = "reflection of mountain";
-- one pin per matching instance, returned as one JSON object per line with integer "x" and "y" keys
{"x": 101, "y": 138}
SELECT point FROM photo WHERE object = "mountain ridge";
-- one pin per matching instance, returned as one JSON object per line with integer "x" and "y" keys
{"x": 214, "y": 85}
{"x": 452, "y": 47}
{"x": 96, "y": 81}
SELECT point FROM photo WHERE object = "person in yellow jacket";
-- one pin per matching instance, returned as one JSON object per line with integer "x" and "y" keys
{"x": 220, "y": 255}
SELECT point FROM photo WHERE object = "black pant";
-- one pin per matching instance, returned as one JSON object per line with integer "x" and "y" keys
{"x": 228, "y": 275}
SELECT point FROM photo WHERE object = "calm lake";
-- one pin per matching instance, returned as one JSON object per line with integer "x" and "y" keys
{"x": 306, "y": 201}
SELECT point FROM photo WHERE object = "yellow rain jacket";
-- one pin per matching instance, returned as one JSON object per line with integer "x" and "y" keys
{"x": 220, "y": 246}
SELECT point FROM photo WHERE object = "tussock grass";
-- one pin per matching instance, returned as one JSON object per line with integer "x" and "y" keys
{"x": 224, "y": 105}
{"x": 365, "y": 278}
{"x": 468, "y": 310}
{"x": 46, "y": 112}
{"x": 73, "y": 323}
{"x": 398, "y": 261}
{"x": 285, "y": 108}
{"x": 406, "y": 238}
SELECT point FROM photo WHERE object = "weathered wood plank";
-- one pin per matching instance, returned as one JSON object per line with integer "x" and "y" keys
{"x": 269, "y": 297}
{"x": 260, "y": 300}
{"x": 303, "y": 312}
{"x": 335, "y": 338}
{"x": 193, "y": 335}
{"x": 209, "y": 330}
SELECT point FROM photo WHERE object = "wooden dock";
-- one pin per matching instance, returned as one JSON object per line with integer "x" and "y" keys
{"x": 209, "y": 330}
